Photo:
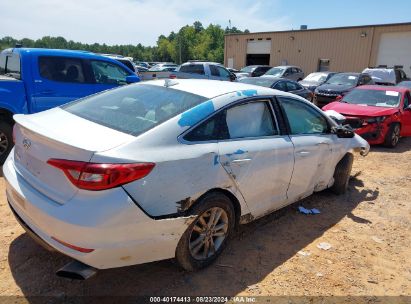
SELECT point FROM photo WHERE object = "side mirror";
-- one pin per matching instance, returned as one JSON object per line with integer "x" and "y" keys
{"x": 343, "y": 132}
{"x": 338, "y": 98}
{"x": 233, "y": 77}
{"x": 132, "y": 79}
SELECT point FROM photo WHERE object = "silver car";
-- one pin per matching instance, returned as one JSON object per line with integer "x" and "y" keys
{"x": 286, "y": 71}
{"x": 168, "y": 168}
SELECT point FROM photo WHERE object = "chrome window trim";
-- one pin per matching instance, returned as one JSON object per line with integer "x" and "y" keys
{"x": 265, "y": 98}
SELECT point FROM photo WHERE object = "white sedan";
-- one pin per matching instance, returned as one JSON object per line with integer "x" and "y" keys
{"x": 167, "y": 169}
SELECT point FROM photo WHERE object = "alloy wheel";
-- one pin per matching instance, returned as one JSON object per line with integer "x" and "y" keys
{"x": 208, "y": 233}
{"x": 395, "y": 136}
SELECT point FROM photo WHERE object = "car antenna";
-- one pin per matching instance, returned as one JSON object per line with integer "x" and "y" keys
{"x": 170, "y": 82}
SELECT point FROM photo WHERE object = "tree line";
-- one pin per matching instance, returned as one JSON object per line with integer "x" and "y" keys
{"x": 190, "y": 42}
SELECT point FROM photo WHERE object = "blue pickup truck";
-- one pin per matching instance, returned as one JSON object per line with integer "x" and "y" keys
{"x": 34, "y": 80}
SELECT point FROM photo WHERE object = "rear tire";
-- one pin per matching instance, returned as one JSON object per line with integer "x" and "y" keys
{"x": 342, "y": 174}
{"x": 195, "y": 248}
{"x": 393, "y": 135}
{"x": 6, "y": 140}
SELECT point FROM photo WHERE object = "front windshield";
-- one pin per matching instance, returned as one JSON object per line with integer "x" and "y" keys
{"x": 247, "y": 69}
{"x": 377, "y": 98}
{"x": 275, "y": 72}
{"x": 263, "y": 81}
{"x": 341, "y": 79}
{"x": 316, "y": 77}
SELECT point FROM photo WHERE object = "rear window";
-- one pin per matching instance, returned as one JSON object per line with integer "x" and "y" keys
{"x": 134, "y": 109}
{"x": 192, "y": 68}
{"x": 10, "y": 65}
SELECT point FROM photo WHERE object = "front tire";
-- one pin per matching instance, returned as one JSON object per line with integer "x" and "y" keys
{"x": 393, "y": 136}
{"x": 207, "y": 236}
{"x": 6, "y": 140}
{"x": 342, "y": 174}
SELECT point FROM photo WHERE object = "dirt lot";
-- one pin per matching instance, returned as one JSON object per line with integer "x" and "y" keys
{"x": 369, "y": 230}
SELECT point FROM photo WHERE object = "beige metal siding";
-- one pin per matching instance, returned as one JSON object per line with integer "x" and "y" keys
{"x": 346, "y": 48}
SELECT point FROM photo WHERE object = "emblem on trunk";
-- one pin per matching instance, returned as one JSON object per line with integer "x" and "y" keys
{"x": 26, "y": 143}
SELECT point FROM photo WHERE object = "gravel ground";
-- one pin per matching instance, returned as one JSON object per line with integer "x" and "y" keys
{"x": 368, "y": 228}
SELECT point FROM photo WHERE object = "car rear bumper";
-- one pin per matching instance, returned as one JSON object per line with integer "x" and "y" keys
{"x": 108, "y": 222}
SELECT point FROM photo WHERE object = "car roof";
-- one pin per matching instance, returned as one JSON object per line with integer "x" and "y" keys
{"x": 286, "y": 66}
{"x": 210, "y": 88}
{"x": 383, "y": 88}
{"x": 351, "y": 73}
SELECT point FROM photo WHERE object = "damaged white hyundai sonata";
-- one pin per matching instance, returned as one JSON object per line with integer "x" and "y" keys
{"x": 167, "y": 169}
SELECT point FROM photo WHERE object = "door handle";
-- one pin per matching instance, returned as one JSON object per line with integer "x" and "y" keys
{"x": 303, "y": 153}
{"x": 322, "y": 143}
{"x": 241, "y": 161}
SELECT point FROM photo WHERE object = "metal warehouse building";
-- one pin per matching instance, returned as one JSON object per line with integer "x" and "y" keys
{"x": 345, "y": 49}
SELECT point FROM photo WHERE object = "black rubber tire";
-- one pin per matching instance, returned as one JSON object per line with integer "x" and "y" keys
{"x": 342, "y": 174}
{"x": 183, "y": 255}
{"x": 389, "y": 141}
{"x": 7, "y": 130}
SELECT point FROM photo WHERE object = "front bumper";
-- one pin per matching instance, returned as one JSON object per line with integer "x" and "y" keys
{"x": 322, "y": 100}
{"x": 106, "y": 221}
{"x": 374, "y": 133}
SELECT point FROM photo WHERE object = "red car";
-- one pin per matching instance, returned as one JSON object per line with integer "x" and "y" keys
{"x": 380, "y": 114}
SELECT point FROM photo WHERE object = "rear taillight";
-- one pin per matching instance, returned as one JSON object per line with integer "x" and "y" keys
{"x": 94, "y": 176}
{"x": 172, "y": 76}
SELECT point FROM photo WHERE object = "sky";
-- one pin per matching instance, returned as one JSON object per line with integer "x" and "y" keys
{"x": 142, "y": 21}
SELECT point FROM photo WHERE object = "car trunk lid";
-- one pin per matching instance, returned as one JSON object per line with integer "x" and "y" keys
{"x": 57, "y": 134}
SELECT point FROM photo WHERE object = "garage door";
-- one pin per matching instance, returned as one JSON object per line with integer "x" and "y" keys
{"x": 259, "y": 47}
{"x": 395, "y": 49}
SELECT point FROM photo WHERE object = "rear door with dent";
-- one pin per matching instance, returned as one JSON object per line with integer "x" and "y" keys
{"x": 256, "y": 156}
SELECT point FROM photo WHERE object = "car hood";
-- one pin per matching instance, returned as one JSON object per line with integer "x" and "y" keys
{"x": 359, "y": 110}
{"x": 335, "y": 87}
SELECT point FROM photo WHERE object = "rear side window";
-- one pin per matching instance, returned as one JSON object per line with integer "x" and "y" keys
{"x": 62, "y": 69}
{"x": 192, "y": 68}
{"x": 10, "y": 65}
{"x": 134, "y": 109}
{"x": 291, "y": 86}
{"x": 281, "y": 86}
{"x": 108, "y": 73}
{"x": 302, "y": 118}
{"x": 247, "y": 120}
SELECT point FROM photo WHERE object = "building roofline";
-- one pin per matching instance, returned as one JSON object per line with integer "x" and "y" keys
{"x": 322, "y": 29}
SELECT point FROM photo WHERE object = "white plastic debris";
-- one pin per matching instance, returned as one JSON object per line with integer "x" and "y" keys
{"x": 304, "y": 253}
{"x": 376, "y": 239}
{"x": 324, "y": 246}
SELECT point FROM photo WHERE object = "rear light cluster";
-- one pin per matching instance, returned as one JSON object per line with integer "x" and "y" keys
{"x": 94, "y": 176}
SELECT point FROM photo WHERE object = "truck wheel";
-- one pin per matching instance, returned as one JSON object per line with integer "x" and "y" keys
{"x": 6, "y": 140}
{"x": 207, "y": 236}
{"x": 342, "y": 174}
{"x": 393, "y": 136}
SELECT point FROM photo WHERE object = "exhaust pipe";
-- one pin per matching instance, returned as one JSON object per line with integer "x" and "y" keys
{"x": 77, "y": 271}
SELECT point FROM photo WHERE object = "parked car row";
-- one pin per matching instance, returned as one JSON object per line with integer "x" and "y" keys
{"x": 168, "y": 168}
